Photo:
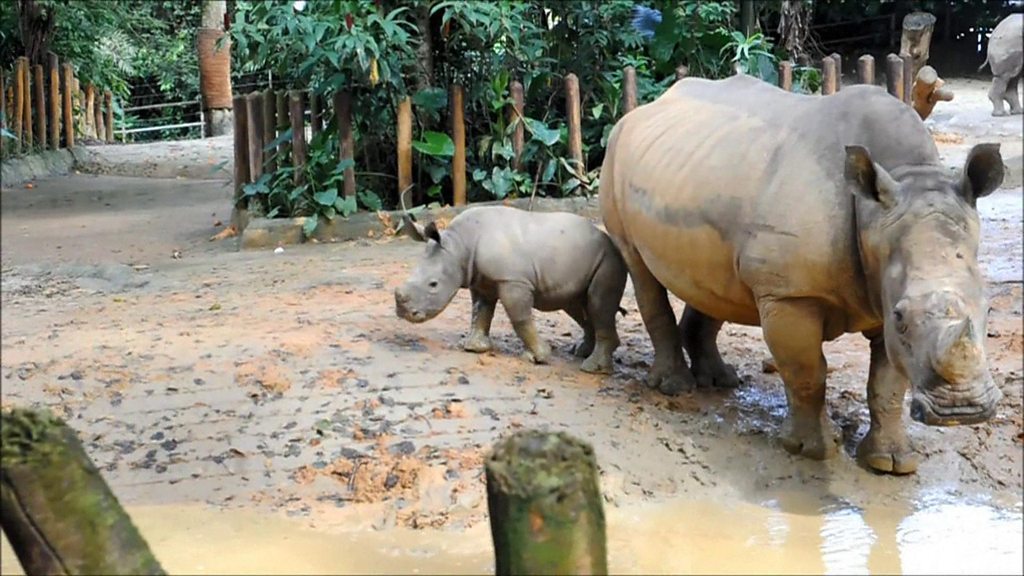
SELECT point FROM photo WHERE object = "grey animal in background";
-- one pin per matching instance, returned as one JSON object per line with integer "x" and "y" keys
{"x": 1005, "y": 56}
{"x": 527, "y": 261}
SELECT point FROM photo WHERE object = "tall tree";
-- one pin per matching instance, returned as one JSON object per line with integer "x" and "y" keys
{"x": 36, "y": 24}
{"x": 215, "y": 68}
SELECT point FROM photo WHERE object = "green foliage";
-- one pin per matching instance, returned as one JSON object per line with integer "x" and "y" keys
{"x": 753, "y": 56}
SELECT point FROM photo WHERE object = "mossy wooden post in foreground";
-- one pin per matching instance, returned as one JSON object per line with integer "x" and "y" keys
{"x": 545, "y": 505}
{"x": 58, "y": 512}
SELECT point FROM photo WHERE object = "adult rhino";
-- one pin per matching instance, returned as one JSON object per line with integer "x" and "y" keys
{"x": 809, "y": 216}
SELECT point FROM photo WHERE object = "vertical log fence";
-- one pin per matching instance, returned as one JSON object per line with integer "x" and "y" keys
{"x": 40, "y": 109}
{"x": 262, "y": 119}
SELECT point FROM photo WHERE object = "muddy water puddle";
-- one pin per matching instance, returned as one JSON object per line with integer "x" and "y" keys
{"x": 787, "y": 534}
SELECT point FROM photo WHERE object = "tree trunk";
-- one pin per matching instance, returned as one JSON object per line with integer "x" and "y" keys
{"x": 424, "y": 74}
{"x": 215, "y": 68}
{"x": 36, "y": 26}
{"x": 794, "y": 28}
{"x": 917, "y": 38}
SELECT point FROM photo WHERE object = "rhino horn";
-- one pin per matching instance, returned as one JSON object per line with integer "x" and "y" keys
{"x": 960, "y": 354}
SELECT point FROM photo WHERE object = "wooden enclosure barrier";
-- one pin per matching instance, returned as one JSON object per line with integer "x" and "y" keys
{"x": 894, "y": 75}
{"x": 346, "y": 141}
{"x": 459, "y": 139}
{"x": 269, "y": 131}
{"x": 241, "y": 147}
{"x": 828, "y": 76}
{"x": 866, "y": 69}
{"x": 404, "y": 136}
{"x": 57, "y": 511}
{"x": 573, "y": 119}
{"x": 629, "y": 100}
{"x": 516, "y": 115}
{"x": 544, "y": 505}
{"x": 786, "y": 75}
{"x": 254, "y": 134}
{"x": 54, "y": 66}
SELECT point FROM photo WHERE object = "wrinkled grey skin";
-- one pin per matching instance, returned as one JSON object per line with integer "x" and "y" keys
{"x": 525, "y": 260}
{"x": 811, "y": 217}
{"x": 1005, "y": 57}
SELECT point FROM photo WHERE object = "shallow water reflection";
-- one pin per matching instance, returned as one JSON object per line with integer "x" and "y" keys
{"x": 787, "y": 534}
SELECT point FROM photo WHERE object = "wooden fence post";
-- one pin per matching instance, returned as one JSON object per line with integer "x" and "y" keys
{"x": 347, "y": 147}
{"x": 572, "y": 114}
{"x": 26, "y": 123}
{"x": 54, "y": 100}
{"x": 894, "y": 75}
{"x": 839, "y": 70}
{"x": 828, "y": 76}
{"x": 316, "y": 113}
{"x": 283, "y": 124}
{"x": 866, "y": 69}
{"x": 545, "y": 505}
{"x": 908, "y": 76}
{"x": 786, "y": 75}
{"x": 19, "y": 104}
{"x": 269, "y": 130}
{"x": 101, "y": 129}
{"x": 459, "y": 138}
{"x": 90, "y": 110}
{"x": 58, "y": 513}
{"x": 404, "y": 133}
{"x": 3, "y": 111}
{"x": 629, "y": 99}
{"x": 108, "y": 101}
{"x": 40, "y": 102}
{"x": 241, "y": 137}
{"x": 515, "y": 116}
{"x": 254, "y": 134}
{"x": 296, "y": 111}
{"x": 69, "y": 123}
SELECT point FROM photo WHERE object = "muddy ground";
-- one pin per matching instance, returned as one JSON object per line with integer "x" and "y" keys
{"x": 283, "y": 382}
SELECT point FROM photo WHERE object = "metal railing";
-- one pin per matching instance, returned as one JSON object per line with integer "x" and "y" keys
{"x": 124, "y": 130}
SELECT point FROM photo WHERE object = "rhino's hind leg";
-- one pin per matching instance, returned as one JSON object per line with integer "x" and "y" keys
{"x": 996, "y": 95}
{"x": 793, "y": 332}
{"x": 1012, "y": 96}
{"x": 584, "y": 347}
{"x": 885, "y": 448}
{"x": 669, "y": 374}
{"x": 479, "y": 339}
{"x": 603, "y": 298}
{"x": 517, "y": 299}
{"x": 699, "y": 333}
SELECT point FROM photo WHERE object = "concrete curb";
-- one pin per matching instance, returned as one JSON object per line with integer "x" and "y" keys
{"x": 17, "y": 171}
{"x": 262, "y": 233}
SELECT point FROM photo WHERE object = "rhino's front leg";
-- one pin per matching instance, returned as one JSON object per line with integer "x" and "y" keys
{"x": 885, "y": 448}
{"x": 517, "y": 299}
{"x": 479, "y": 339}
{"x": 670, "y": 374}
{"x": 793, "y": 332}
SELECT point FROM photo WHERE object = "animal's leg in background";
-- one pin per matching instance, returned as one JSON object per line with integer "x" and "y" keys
{"x": 699, "y": 333}
{"x": 603, "y": 298}
{"x": 584, "y": 347}
{"x": 479, "y": 339}
{"x": 517, "y": 299}
{"x": 670, "y": 374}
{"x": 1012, "y": 96}
{"x": 996, "y": 95}
{"x": 885, "y": 448}
{"x": 793, "y": 332}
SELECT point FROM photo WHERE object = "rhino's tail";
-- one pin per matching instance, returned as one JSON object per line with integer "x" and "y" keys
{"x": 622, "y": 311}
{"x": 983, "y": 64}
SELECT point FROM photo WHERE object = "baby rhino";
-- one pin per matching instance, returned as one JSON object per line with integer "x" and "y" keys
{"x": 526, "y": 260}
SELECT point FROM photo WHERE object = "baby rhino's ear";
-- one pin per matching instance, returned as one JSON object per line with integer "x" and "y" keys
{"x": 432, "y": 233}
{"x": 413, "y": 229}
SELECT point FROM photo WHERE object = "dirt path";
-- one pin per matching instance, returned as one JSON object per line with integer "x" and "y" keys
{"x": 284, "y": 382}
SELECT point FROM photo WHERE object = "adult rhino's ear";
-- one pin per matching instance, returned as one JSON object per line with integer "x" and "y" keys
{"x": 868, "y": 179}
{"x": 983, "y": 172}
{"x": 413, "y": 229}
{"x": 430, "y": 232}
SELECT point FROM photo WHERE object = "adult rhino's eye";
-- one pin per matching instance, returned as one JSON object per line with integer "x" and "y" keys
{"x": 433, "y": 284}
{"x": 901, "y": 326}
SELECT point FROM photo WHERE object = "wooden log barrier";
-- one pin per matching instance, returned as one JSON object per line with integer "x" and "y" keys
{"x": 629, "y": 97}
{"x": 545, "y": 505}
{"x": 58, "y": 513}
{"x": 67, "y": 88}
{"x": 828, "y": 76}
{"x": 928, "y": 91}
{"x": 241, "y": 143}
{"x": 346, "y": 140}
{"x": 866, "y": 69}
{"x": 54, "y": 65}
{"x": 786, "y": 75}
{"x": 39, "y": 100}
{"x": 894, "y": 76}
{"x": 573, "y": 119}
{"x": 269, "y": 130}
{"x": 296, "y": 110}
{"x": 459, "y": 139}
{"x": 403, "y": 130}
{"x": 515, "y": 117}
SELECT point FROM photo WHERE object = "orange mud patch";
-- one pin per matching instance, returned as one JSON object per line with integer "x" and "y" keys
{"x": 262, "y": 373}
